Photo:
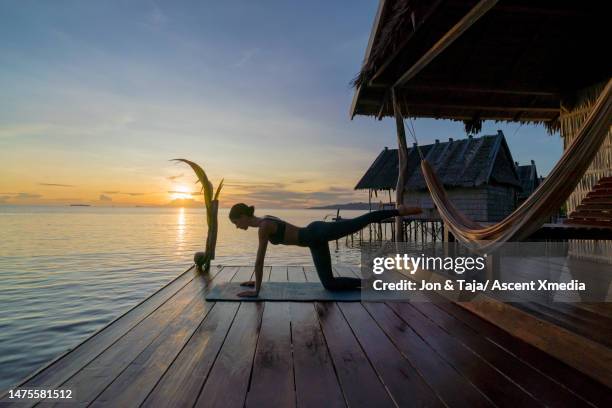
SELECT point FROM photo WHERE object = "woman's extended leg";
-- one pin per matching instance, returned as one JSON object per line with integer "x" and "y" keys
{"x": 330, "y": 231}
{"x": 322, "y": 261}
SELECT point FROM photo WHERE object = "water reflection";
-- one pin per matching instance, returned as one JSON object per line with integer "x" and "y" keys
{"x": 180, "y": 229}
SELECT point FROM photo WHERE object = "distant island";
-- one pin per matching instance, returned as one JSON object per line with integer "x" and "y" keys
{"x": 347, "y": 206}
{"x": 80, "y": 205}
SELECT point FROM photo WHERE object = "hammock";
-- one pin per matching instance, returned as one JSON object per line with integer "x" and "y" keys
{"x": 546, "y": 199}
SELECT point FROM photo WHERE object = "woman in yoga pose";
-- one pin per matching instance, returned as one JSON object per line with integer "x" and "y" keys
{"x": 315, "y": 236}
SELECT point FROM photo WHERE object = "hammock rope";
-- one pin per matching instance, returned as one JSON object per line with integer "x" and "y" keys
{"x": 545, "y": 200}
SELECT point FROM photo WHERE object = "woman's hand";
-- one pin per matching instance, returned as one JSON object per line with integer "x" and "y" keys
{"x": 249, "y": 284}
{"x": 249, "y": 293}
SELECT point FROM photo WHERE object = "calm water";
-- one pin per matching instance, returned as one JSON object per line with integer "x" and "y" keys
{"x": 67, "y": 271}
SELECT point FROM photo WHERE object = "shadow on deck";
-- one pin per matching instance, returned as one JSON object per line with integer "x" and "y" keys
{"x": 176, "y": 349}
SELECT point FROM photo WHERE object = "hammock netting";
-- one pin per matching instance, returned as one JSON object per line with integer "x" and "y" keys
{"x": 546, "y": 199}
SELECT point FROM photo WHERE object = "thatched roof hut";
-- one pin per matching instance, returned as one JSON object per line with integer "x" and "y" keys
{"x": 528, "y": 175}
{"x": 479, "y": 174}
{"x": 469, "y": 60}
{"x": 469, "y": 162}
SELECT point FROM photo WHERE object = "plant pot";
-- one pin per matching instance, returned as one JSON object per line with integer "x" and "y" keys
{"x": 199, "y": 258}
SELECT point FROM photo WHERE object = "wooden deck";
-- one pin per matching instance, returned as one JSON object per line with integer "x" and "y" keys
{"x": 177, "y": 349}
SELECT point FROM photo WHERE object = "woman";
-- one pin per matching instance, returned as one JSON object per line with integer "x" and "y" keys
{"x": 315, "y": 236}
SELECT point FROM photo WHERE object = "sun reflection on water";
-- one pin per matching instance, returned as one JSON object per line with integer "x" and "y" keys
{"x": 180, "y": 229}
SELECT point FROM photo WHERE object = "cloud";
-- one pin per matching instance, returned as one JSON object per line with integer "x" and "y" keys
{"x": 55, "y": 185}
{"x": 123, "y": 192}
{"x": 105, "y": 198}
{"x": 4, "y": 198}
{"x": 175, "y": 177}
{"x": 193, "y": 193}
{"x": 27, "y": 196}
{"x": 340, "y": 189}
{"x": 156, "y": 16}
{"x": 245, "y": 185}
{"x": 280, "y": 197}
{"x": 246, "y": 56}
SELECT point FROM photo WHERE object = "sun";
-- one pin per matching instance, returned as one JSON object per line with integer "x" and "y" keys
{"x": 180, "y": 192}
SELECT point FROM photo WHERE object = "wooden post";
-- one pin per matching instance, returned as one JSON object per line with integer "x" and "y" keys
{"x": 448, "y": 235}
{"x": 402, "y": 152}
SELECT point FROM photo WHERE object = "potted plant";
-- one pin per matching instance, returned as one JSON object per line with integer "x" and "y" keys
{"x": 202, "y": 259}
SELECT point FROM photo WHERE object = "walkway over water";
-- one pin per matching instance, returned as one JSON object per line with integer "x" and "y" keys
{"x": 177, "y": 349}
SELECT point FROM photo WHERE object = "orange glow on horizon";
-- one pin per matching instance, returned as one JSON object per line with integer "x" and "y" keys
{"x": 180, "y": 192}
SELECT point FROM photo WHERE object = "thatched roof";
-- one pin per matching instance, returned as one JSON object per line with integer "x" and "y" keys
{"x": 520, "y": 61}
{"x": 469, "y": 162}
{"x": 528, "y": 175}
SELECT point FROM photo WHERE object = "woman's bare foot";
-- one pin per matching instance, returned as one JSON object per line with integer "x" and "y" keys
{"x": 405, "y": 210}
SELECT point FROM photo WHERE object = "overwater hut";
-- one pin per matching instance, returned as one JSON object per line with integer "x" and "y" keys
{"x": 523, "y": 61}
{"x": 479, "y": 175}
{"x": 528, "y": 176}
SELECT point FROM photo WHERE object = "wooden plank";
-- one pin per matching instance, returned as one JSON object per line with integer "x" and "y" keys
{"x": 227, "y": 383}
{"x": 278, "y": 274}
{"x": 316, "y": 384}
{"x": 344, "y": 271}
{"x": 272, "y": 376}
{"x": 578, "y": 321}
{"x": 356, "y": 271}
{"x": 603, "y": 309}
{"x": 181, "y": 383}
{"x": 245, "y": 273}
{"x": 63, "y": 367}
{"x": 93, "y": 378}
{"x": 360, "y": 383}
{"x": 311, "y": 274}
{"x": 547, "y": 391}
{"x": 296, "y": 274}
{"x": 562, "y": 373}
{"x": 498, "y": 388}
{"x": 595, "y": 359}
{"x": 454, "y": 389}
{"x": 403, "y": 382}
{"x": 132, "y": 386}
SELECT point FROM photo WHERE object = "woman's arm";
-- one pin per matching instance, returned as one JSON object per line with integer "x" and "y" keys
{"x": 263, "y": 233}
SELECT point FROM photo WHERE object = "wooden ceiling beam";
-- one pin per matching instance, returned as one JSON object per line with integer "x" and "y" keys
{"x": 531, "y": 106}
{"x": 507, "y": 90}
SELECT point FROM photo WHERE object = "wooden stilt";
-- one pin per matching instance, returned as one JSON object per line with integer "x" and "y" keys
{"x": 403, "y": 161}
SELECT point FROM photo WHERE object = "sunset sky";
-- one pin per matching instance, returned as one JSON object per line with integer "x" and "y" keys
{"x": 97, "y": 96}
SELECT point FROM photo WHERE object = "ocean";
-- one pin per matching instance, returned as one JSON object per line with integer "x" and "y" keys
{"x": 65, "y": 272}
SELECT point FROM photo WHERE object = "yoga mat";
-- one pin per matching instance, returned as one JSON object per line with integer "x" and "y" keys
{"x": 284, "y": 292}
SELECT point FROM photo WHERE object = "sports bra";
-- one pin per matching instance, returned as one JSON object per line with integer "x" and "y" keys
{"x": 279, "y": 235}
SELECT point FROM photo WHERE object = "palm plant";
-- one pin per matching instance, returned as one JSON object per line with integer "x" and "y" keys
{"x": 211, "y": 202}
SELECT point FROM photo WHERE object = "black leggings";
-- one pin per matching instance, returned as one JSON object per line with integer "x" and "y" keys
{"x": 317, "y": 234}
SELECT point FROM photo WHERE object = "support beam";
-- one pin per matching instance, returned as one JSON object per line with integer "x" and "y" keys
{"x": 466, "y": 106}
{"x": 402, "y": 152}
{"x": 488, "y": 90}
{"x": 453, "y": 34}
